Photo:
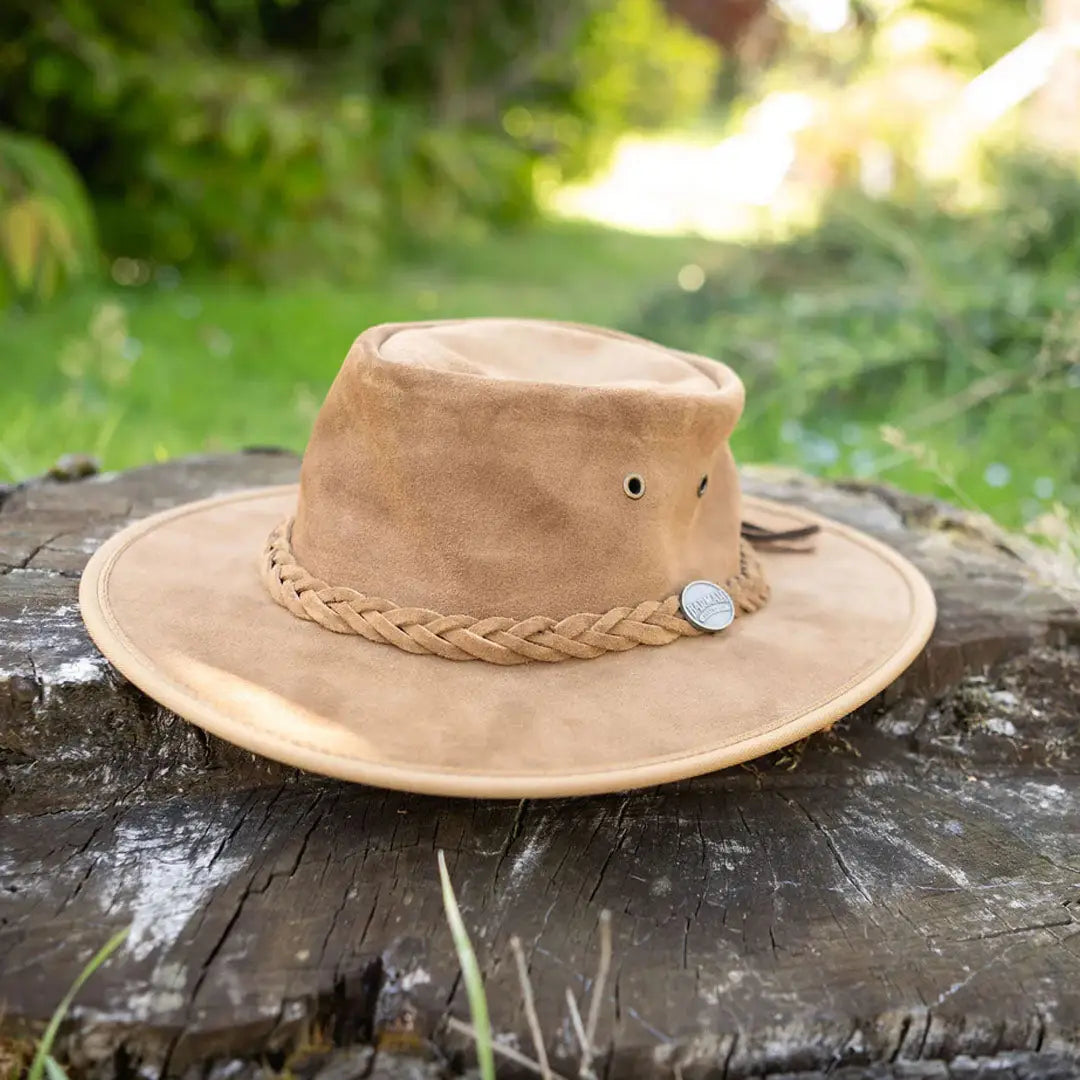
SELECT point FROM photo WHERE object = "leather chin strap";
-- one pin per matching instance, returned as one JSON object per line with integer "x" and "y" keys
{"x": 759, "y": 536}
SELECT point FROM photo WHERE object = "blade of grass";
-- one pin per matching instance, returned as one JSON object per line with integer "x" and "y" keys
{"x": 470, "y": 974}
{"x": 44, "y": 1048}
{"x": 53, "y": 1069}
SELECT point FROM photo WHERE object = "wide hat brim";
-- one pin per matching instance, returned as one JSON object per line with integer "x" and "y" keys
{"x": 176, "y": 602}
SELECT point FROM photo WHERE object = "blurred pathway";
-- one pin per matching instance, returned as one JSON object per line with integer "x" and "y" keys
{"x": 679, "y": 183}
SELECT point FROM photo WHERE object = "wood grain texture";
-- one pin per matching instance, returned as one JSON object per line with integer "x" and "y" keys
{"x": 897, "y": 897}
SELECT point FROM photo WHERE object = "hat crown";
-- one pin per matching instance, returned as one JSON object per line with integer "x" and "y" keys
{"x": 518, "y": 467}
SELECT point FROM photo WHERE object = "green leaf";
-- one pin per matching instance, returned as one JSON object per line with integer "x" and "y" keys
{"x": 48, "y": 276}
{"x": 58, "y": 232}
{"x": 21, "y": 233}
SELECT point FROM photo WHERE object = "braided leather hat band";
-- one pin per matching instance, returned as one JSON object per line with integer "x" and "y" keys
{"x": 495, "y": 639}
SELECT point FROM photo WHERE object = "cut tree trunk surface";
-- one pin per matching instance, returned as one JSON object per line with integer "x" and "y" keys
{"x": 900, "y": 895}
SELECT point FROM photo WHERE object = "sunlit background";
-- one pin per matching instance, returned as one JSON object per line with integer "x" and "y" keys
{"x": 869, "y": 208}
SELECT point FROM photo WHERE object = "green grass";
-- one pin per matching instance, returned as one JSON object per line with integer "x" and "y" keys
{"x": 212, "y": 365}
{"x": 837, "y": 337}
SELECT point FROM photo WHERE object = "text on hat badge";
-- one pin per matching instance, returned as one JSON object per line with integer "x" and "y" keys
{"x": 707, "y": 606}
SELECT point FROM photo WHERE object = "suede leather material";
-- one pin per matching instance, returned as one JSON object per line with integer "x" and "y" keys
{"x": 176, "y": 602}
{"x": 476, "y": 467}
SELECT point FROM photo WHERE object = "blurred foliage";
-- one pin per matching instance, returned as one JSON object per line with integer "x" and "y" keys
{"x": 172, "y": 363}
{"x": 279, "y": 135}
{"x": 46, "y": 224}
{"x": 970, "y": 35}
{"x": 938, "y": 350}
{"x": 959, "y": 329}
{"x": 964, "y": 35}
{"x": 641, "y": 70}
{"x": 885, "y": 87}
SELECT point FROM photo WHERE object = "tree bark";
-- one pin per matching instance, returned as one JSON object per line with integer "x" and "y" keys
{"x": 895, "y": 897}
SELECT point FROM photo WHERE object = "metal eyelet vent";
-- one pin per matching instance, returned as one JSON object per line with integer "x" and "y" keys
{"x": 634, "y": 485}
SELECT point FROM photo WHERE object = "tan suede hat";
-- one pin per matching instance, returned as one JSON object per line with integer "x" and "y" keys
{"x": 517, "y": 564}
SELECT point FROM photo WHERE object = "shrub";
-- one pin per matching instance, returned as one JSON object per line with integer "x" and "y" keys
{"x": 46, "y": 224}
{"x": 638, "y": 69}
{"x": 270, "y": 134}
{"x": 956, "y": 330}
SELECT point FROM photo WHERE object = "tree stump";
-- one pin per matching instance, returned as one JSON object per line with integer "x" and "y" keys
{"x": 899, "y": 896}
